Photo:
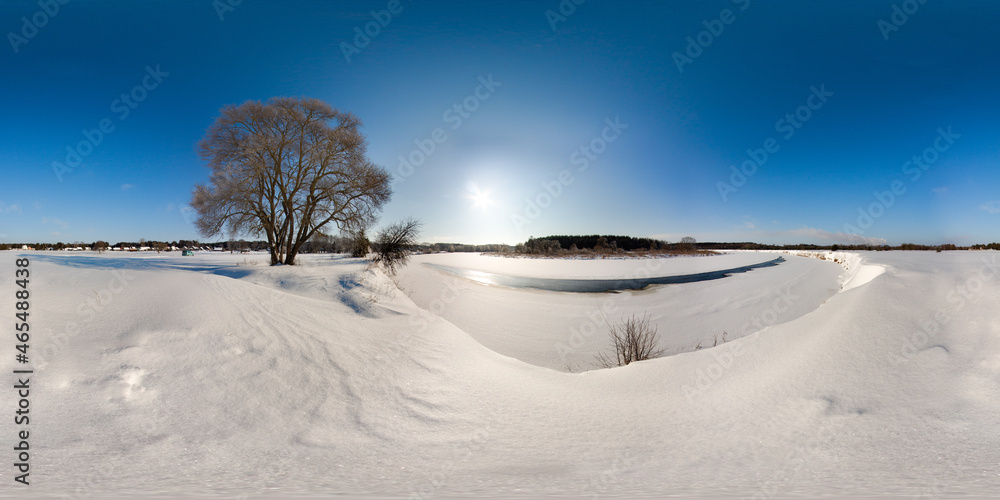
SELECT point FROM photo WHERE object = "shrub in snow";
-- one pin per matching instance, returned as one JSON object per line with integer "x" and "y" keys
{"x": 360, "y": 246}
{"x": 631, "y": 340}
{"x": 394, "y": 244}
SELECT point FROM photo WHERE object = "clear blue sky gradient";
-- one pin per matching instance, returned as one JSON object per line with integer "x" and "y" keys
{"x": 686, "y": 114}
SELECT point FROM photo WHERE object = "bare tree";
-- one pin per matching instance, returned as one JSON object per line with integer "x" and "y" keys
{"x": 394, "y": 243}
{"x": 687, "y": 244}
{"x": 286, "y": 169}
{"x": 631, "y": 340}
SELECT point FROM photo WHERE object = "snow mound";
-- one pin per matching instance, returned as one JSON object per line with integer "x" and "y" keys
{"x": 174, "y": 377}
{"x": 857, "y": 271}
{"x": 862, "y": 275}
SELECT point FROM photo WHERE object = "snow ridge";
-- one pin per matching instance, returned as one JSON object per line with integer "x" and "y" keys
{"x": 856, "y": 271}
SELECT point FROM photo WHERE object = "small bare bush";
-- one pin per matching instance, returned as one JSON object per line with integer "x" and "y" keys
{"x": 394, "y": 244}
{"x": 631, "y": 340}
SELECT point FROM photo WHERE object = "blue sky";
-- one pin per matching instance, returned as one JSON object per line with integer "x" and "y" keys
{"x": 603, "y": 117}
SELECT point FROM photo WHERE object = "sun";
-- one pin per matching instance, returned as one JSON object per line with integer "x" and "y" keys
{"x": 480, "y": 199}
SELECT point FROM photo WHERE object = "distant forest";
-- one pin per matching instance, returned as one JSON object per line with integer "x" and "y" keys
{"x": 602, "y": 245}
{"x": 612, "y": 244}
{"x": 549, "y": 245}
{"x": 598, "y": 242}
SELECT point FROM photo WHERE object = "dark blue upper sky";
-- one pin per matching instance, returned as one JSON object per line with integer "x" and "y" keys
{"x": 605, "y": 118}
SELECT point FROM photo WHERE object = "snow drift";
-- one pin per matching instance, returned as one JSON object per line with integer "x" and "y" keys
{"x": 201, "y": 376}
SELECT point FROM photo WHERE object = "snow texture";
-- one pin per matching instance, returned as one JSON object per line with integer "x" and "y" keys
{"x": 217, "y": 376}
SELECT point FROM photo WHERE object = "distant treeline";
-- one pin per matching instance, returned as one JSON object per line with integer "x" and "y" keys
{"x": 101, "y": 245}
{"x": 461, "y": 247}
{"x": 603, "y": 244}
{"x": 836, "y": 247}
{"x": 596, "y": 241}
{"x": 555, "y": 245}
{"x": 549, "y": 245}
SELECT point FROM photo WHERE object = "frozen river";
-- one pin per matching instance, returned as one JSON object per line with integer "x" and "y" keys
{"x": 595, "y": 285}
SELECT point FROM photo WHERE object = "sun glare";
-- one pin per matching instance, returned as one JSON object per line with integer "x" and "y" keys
{"x": 480, "y": 199}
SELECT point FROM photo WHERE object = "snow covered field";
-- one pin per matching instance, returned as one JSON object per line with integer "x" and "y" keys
{"x": 161, "y": 375}
{"x": 564, "y": 331}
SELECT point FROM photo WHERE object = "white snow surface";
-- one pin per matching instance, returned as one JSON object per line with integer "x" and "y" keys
{"x": 599, "y": 268}
{"x": 565, "y": 331}
{"x": 856, "y": 272}
{"x": 166, "y": 376}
